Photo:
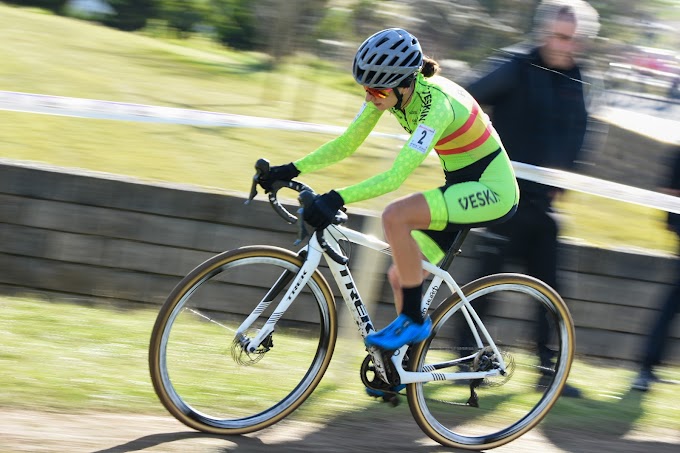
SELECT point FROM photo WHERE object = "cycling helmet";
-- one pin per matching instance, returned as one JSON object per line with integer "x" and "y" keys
{"x": 388, "y": 57}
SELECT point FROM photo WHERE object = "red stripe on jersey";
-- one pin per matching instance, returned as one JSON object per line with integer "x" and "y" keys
{"x": 468, "y": 147}
{"x": 464, "y": 128}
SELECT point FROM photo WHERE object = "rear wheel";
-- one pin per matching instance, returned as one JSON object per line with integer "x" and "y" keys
{"x": 516, "y": 310}
{"x": 199, "y": 368}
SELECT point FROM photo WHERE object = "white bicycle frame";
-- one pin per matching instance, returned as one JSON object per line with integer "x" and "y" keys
{"x": 350, "y": 294}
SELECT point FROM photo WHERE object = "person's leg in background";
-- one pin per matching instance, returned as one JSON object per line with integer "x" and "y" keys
{"x": 657, "y": 340}
{"x": 542, "y": 264}
{"x": 542, "y": 256}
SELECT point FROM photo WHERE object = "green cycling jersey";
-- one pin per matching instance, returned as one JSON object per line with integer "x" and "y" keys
{"x": 438, "y": 109}
{"x": 441, "y": 116}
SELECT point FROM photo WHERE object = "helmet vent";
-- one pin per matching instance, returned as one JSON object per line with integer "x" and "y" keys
{"x": 387, "y": 58}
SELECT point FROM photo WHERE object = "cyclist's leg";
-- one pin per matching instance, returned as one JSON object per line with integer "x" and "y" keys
{"x": 395, "y": 284}
{"x": 489, "y": 199}
{"x": 400, "y": 218}
{"x": 405, "y": 276}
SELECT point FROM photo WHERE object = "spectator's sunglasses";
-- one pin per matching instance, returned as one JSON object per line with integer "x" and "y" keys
{"x": 380, "y": 93}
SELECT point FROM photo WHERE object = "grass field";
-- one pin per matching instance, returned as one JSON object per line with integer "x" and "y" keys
{"x": 66, "y": 57}
{"x": 68, "y": 357}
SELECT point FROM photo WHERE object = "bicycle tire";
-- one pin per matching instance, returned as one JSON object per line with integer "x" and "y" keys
{"x": 508, "y": 406}
{"x": 201, "y": 374}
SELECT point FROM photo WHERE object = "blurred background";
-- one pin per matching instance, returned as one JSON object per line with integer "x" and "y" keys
{"x": 637, "y": 43}
{"x": 289, "y": 60}
{"x": 636, "y": 47}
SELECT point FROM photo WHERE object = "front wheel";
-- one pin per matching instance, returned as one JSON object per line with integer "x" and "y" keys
{"x": 534, "y": 335}
{"x": 199, "y": 366}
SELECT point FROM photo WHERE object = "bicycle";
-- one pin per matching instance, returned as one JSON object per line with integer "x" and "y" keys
{"x": 245, "y": 338}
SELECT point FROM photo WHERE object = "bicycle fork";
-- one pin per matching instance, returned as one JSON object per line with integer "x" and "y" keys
{"x": 299, "y": 280}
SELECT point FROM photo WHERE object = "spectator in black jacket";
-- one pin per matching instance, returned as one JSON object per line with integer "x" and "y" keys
{"x": 657, "y": 340}
{"x": 538, "y": 106}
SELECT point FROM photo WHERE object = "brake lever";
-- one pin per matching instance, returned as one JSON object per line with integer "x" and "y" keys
{"x": 253, "y": 189}
{"x": 261, "y": 168}
{"x": 306, "y": 198}
{"x": 302, "y": 229}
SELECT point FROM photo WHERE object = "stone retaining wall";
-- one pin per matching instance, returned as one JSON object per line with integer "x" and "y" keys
{"x": 108, "y": 239}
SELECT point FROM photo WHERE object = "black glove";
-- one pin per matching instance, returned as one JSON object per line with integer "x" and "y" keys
{"x": 278, "y": 173}
{"x": 322, "y": 211}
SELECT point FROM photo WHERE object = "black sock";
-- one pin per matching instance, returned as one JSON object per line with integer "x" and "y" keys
{"x": 412, "y": 299}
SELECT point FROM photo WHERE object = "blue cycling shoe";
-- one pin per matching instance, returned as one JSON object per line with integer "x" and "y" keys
{"x": 400, "y": 332}
{"x": 382, "y": 393}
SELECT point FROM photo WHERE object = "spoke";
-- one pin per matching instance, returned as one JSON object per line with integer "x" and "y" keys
{"x": 208, "y": 318}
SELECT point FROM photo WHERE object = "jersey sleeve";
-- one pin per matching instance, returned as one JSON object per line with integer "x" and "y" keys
{"x": 411, "y": 155}
{"x": 344, "y": 145}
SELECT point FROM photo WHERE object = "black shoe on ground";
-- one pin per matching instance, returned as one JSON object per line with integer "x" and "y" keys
{"x": 568, "y": 390}
{"x": 643, "y": 380}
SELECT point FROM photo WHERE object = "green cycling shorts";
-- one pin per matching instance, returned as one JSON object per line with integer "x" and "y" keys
{"x": 481, "y": 194}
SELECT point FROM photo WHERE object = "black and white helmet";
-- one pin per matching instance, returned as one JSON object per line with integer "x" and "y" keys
{"x": 388, "y": 57}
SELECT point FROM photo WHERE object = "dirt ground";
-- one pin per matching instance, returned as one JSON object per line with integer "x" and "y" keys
{"x": 29, "y": 431}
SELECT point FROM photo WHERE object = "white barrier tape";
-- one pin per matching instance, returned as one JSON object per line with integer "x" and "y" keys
{"x": 108, "y": 110}
{"x": 96, "y": 109}
{"x": 600, "y": 187}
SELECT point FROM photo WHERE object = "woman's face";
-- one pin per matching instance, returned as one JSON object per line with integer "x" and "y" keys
{"x": 383, "y": 99}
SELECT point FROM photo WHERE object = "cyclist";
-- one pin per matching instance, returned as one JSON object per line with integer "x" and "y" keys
{"x": 479, "y": 187}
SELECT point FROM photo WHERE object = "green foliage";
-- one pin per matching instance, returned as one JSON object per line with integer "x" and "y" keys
{"x": 364, "y": 15}
{"x": 334, "y": 24}
{"x": 131, "y": 15}
{"x": 234, "y": 23}
{"x": 450, "y": 30}
{"x": 183, "y": 15}
{"x": 310, "y": 15}
{"x": 633, "y": 22}
{"x": 56, "y": 6}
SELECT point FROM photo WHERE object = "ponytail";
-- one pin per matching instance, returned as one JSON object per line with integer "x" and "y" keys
{"x": 430, "y": 67}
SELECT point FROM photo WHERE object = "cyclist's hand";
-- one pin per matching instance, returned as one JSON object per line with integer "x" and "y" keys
{"x": 278, "y": 173}
{"x": 322, "y": 211}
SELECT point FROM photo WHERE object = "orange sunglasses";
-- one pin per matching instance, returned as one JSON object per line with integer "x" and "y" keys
{"x": 378, "y": 93}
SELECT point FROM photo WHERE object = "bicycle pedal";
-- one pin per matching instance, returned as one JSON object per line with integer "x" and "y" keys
{"x": 390, "y": 395}
{"x": 385, "y": 392}
{"x": 393, "y": 400}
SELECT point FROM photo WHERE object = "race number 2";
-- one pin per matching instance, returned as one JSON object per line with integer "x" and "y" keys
{"x": 421, "y": 138}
